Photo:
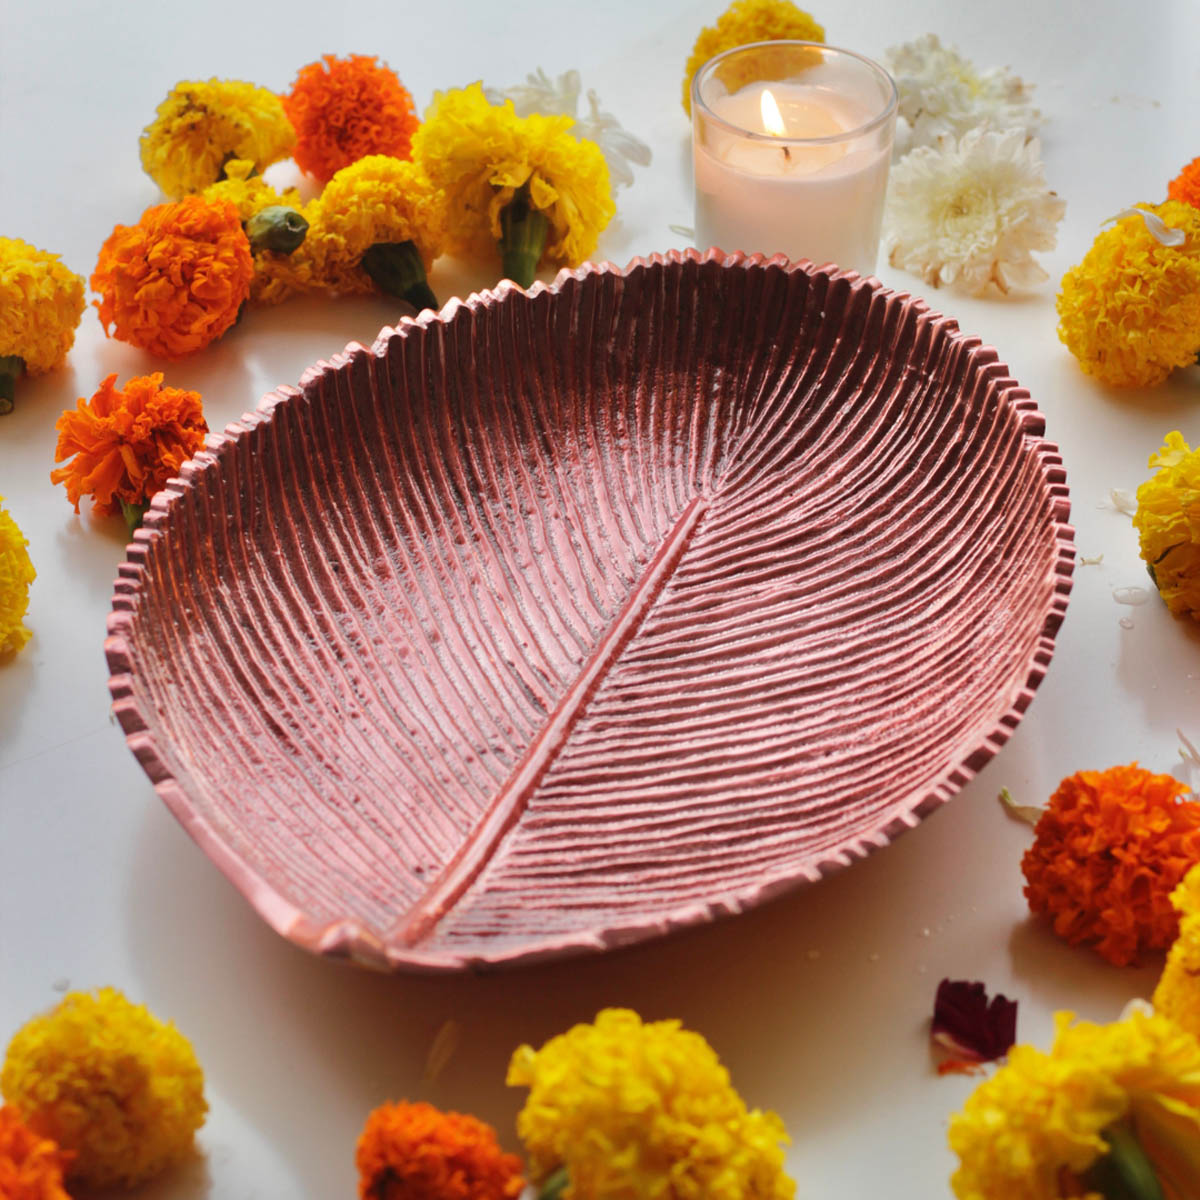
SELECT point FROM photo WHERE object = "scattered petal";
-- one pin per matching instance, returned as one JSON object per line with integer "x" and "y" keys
{"x": 1123, "y": 501}
{"x": 1029, "y": 813}
{"x": 1191, "y": 761}
{"x": 1164, "y": 234}
{"x": 960, "y": 1066}
{"x": 969, "y": 1026}
{"x": 1136, "y": 1005}
{"x": 1133, "y": 596}
{"x": 1086, "y": 560}
{"x": 684, "y": 231}
{"x": 441, "y": 1051}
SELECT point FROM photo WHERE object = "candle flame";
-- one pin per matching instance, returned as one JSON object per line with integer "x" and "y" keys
{"x": 772, "y": 117}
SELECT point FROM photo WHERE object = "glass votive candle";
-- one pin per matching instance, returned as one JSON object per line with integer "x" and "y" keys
{"x": 791, "y": 143}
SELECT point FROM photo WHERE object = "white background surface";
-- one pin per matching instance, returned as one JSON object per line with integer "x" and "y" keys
{"x": 818, "y": 1003}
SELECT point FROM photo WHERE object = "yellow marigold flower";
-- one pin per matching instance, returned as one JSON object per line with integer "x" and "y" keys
{"x": 41, "y": 302}
{"x": 1130, "y": 312}
{"x": 514, "y": 181}
{"x": 365, "y": 215}
{"x": 1039, "y": 1128}
{"x": 31, "y": 1167}
{"x": 40, "y": 306}
{"x": 1178, "y": 993}
{"x": 16, "y": 574}
{"x": 277, "y": 275}
{"x": 200, "y": 126}
{"x": 1168, "y": 525}
{"x": 744, "y": 22}
{"x": 639, "y": 1111}
{"x": 108, "y": 1081}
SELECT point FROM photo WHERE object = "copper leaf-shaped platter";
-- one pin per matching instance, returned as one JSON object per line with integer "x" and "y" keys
{"x": 565, "y": 618}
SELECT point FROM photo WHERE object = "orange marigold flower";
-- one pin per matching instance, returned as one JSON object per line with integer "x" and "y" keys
{"x": 416, "y": 1152}
{"x": 346, "y": 108}
{"x": 175, "y": 281}
{"x": 1109, "y": 850}
{"x": 127, "y": 443}
{"x": 31, "y": 1166}
{"x": 1186, "y": 185}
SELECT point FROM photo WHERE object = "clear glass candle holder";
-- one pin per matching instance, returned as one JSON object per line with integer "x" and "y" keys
{"x": 791, "y": 143}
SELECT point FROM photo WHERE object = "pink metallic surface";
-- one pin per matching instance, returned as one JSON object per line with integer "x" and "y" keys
{"x": 565, "y": 618}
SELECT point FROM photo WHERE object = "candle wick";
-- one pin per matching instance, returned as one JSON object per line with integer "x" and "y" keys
{"x": 787, "y": 154}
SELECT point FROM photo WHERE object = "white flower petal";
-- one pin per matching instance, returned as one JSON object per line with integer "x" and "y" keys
{"x": 540, "y": 94}
{"x": 1158, "y": 229}
{"x": 1191, "y": 762}
{"x": 1123, "y": 501}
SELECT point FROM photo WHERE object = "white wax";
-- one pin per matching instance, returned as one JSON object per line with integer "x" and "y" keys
{"x": 818, "y": 201}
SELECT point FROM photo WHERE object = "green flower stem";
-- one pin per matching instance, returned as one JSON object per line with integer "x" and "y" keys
{"x": 1124, "y": 1173}
{"x": 396, "y": 268}
{"x": 133, "y": 514}
{"x": 11, "y": 368}
{"x": 523, "y": 231}
{"x": 277, "y": 228}
{"x": 555, "y": 1185}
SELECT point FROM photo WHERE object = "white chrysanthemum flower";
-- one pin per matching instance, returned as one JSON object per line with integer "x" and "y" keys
{"x": 969, "y": 213}
{"x": 941, "y": 94}
{"x": 540, "y": 94}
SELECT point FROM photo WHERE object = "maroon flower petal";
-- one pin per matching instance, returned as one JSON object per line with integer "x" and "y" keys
{"x": 969, "y": 1026}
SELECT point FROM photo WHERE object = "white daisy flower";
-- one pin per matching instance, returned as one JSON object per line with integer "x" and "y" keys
{"x": 540, "y": 94}
{"x": 968, "y": 213}
{"x": 941, "y": 93}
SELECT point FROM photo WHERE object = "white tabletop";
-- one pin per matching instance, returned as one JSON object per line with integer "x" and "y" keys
{"x": 818, "y": 1003}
